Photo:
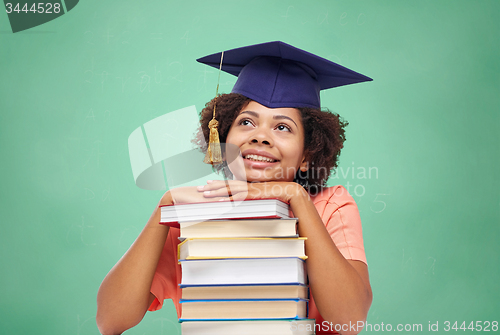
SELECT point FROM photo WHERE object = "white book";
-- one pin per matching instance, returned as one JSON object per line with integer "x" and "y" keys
{"x": 258, "y": 208}
{"x": 243, "y": 271}
{"x": 247, "y": 327}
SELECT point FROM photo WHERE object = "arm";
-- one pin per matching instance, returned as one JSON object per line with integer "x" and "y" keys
{"x": 340, "y": 287}
{"x": 124, "y": 295}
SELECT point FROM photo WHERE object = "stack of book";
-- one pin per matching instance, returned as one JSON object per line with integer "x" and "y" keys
{"x": 243, "y": 268}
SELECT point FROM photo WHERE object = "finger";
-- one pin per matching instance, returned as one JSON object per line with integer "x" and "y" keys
{"x": 231, "y": 186}
{"x": 213, "y": 185}
{"x": 222, "y": 192}
{"x": 228, "y": 191}
{"x": 229, "y": 198}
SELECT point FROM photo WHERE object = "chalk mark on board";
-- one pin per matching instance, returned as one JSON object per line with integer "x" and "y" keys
{"x": 145, "y": 82}
{"x": 380, "y": 201}
{"x": 342, "y": 17}
{"x": 104, "y": 76}
{"x": 432, "y": 265}
{"x": 195, "y": 20}
{"x": 87, "y": 33}
{"x": 98, "y": 154}
{"x": 79, "y": 326}
{"x": 123, "y": 233}
{"x": 87, "y": 190}
{"x": 126, "y": 41}
{"x": 123, "y": 82}
{"x": 404, "y": 263}
{"x": 205, "y": 72}
{"x": 82, "y": 229}
{"x": 201, "y": 84}
{"x": 359, "y": 16}
{"x": 186, "y": 37}
{"x": 107, "y": 115}
{"x": 325, "y": 19}
{"x": 157, "y": 74}
{"x": 108, "y": 35}
{"x": 105, "y": 194}
{"x": 334, "y": 58}
{"x": 181, "y": 68}
{"x": 287, "y": 10}
{"x": 90, "y": 115}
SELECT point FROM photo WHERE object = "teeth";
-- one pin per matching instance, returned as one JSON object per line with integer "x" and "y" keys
{"x": 259, "y": 158}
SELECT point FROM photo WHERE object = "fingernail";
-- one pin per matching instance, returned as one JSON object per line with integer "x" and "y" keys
{"x": 209, "y": 181}
{"x": 206, "y": 192}
{"x": 200, "y": 188}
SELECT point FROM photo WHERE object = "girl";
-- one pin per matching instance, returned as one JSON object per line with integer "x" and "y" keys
{"x": 288, "y": 147}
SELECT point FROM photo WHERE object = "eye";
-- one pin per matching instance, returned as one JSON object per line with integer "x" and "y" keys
{"x": 245, "y": 122}
{"x": 283, "y": 127}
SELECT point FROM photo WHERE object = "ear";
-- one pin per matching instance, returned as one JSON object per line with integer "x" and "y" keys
{"x": 304, "y": 165}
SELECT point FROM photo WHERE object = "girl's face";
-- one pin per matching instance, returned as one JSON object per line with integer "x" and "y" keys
{"x": 271, "y": 141}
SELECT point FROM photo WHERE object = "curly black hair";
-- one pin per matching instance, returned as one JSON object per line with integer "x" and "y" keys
{"x": 324, "y": 137}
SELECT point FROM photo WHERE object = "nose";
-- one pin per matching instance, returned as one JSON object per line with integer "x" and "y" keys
{"x": 261, "y": 136}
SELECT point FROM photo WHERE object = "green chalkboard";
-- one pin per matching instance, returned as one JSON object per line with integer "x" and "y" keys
{"x": 421, "y": 157}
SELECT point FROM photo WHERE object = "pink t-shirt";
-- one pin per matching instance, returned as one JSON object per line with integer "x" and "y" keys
{"x": 339, "y": 213}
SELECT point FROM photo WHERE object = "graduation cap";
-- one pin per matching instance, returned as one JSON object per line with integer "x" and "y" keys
{"x": 276, "y": 74}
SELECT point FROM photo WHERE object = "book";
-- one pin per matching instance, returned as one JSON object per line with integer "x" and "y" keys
{"x": 239, "y": 228}
{"x": 243, "y": 309}
{"x": 210, "y": 248}
{"x": 243, "y": 271}
{"x": 241, "y": 262}
{"x": 245, "y": 292}
{"x": 171, "y": 215}
{"x": 249, "y": 327}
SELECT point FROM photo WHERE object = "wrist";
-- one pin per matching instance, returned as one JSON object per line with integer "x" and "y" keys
{"x": 166, "y": 199}
{"x": 298, "y": 193}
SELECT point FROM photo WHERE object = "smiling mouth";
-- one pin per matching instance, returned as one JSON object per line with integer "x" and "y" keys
{"x": 257, "y": 158}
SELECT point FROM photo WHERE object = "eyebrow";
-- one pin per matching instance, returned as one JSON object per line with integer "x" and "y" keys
{"x": 275, "y": 117}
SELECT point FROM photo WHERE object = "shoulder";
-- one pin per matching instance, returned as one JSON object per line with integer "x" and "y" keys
{"x": 334, "y": 195}
{"x": 340, "y": 214}
{"x": 335, "y": 200}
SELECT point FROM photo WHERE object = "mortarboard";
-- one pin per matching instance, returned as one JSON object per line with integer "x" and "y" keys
{"x": 276, "y": 74}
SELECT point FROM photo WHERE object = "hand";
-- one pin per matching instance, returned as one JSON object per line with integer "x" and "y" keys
{"x": 183, "y": 195}
{"x": 240, "y": 190}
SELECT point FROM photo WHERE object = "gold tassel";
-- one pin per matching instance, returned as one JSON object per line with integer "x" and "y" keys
{"x": 214, "y": 155}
